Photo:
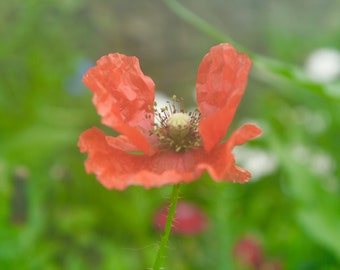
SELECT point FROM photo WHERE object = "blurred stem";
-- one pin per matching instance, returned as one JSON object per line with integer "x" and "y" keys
{"x": 171, "y": 213}
{"x": 199, "y": 23}
{"x": 268, "y": 70}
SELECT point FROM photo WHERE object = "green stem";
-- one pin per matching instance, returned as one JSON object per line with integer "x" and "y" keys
{"x": 199, "y": 23}
{"x": 269, "y": 69}
{"x": 172, "y": 209}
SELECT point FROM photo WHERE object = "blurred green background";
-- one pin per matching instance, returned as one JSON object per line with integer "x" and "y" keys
{"x": 54, "y": 216}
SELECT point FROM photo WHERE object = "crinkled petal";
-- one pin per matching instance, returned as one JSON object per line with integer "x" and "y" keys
{"x": 221, "y": 81}
{"x": 240, "y": 136}
{"x": 243, "y": 134}
{"x": 118, "y": 169}
{"x": 123, "y": 96}
{"x": 220, "y": 162}
{"x": 122, "y": 143}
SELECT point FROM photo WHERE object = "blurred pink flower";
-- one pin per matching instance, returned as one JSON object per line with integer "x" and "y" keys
{"x": 189, "y": 219}
{"x": 248, "y": 251}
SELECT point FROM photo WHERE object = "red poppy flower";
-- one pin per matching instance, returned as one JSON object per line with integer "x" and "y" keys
{"x": 189, "y": 219}
{"x": 178, "y": 147}
{"x": 248, "y": 251}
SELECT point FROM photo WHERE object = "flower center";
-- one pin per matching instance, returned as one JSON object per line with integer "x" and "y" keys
{"x": 176, "y": 130}
{"x": 179, "y": 125}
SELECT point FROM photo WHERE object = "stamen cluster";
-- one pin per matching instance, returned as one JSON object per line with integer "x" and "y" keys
{"x": 175, "y": 129}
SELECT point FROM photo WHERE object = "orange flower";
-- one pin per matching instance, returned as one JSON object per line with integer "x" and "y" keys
{"x": 169, "y": 146}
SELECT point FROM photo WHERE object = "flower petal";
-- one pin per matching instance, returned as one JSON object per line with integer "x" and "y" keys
{"x": 118, "y": 169}
{"x": 122, "y": 96}
{"x": 122, "y": 143}
{"x": 220, "y": 162}
{"x": 221, "y": 81}
{"x": 243, "y": 134}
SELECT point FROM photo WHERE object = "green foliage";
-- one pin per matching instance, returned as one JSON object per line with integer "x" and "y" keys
{"x": 54, "y": 216}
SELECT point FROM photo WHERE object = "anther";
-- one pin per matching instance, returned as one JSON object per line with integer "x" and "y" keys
{"x": 175, "y": 129}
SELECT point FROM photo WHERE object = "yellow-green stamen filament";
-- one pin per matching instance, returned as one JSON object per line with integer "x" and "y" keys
{"x": 175, "y": 129}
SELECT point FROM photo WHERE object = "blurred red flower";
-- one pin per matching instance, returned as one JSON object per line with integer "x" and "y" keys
{"x": 189, "y": 219}
{"x": 180, "y": 146}
{"x": 248, "y": 251}
{"x": 271, "y": 265}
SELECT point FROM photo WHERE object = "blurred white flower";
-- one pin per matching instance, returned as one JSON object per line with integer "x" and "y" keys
{"x": 300, "y": 153}
{"x": 318, "y": 161}
{"x": 323, "y": 65}
{"x": 259, "y": 162}
{"x": 322, "y": 164}
{"x": 314, "y": 121}
{"x": 161, "y": 100}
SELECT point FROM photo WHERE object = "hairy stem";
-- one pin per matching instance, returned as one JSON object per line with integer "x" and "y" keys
{"x": 171, "y": 213}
